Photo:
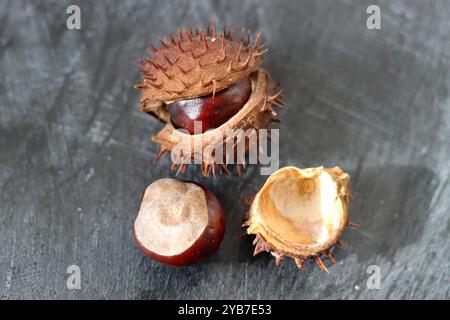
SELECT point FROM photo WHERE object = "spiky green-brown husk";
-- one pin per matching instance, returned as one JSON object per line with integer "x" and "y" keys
{"x": 279, "y": 248}
{"x": 196, "y": 63}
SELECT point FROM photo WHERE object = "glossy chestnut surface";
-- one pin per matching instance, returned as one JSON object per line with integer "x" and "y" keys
{"x": 179, "y": 223}
{"x": 210, "y": 111}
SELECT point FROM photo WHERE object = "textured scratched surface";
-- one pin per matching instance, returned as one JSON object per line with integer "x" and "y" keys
{"x": 75, "y": 153}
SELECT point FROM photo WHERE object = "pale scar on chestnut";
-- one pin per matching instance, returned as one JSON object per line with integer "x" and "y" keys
{"x": 212, "y": 77}
{"x": 178, "y": 223}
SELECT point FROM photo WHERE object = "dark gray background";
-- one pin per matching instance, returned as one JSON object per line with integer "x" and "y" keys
{"x": 75, "y": 154}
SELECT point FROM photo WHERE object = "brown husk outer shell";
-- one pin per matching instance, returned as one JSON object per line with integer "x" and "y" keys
{"x": 196, "y": 64}
{"x": 265, "y": 241}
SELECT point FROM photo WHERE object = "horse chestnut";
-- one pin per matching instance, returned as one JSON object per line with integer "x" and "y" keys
{"x": 178, "y": 223}
{"x": 212, "y": 77}
{"x": 211, "y": 110}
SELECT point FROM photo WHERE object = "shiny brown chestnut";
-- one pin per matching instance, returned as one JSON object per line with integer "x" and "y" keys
{"x": 211, "y": 110}
{"x": 178, "y": 223}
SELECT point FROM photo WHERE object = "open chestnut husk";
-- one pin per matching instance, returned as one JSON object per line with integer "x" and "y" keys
{"x": 300, "y": 213}
{"x": 178, "y": 223}
{"x": 211, "y": 77}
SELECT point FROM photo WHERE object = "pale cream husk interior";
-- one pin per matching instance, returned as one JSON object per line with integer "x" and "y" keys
{"x": 301, "y": 212}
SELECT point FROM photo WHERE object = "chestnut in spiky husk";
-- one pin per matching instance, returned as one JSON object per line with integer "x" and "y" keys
{"x": 179, "y": 223}
{"x": 211, "y": 77}
{"x": 300, "y": 213}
